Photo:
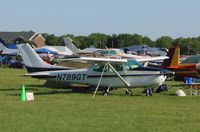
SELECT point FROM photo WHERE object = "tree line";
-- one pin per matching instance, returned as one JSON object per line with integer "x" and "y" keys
{"x": 99, "y": 40}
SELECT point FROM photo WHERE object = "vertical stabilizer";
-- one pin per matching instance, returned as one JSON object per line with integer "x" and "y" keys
{"x": 69, "y": 43}
{"x": 33, "y": 62}
{"x": 30, "y": 57}
{"x": 3, "y": 47}
{"x": 174, "y": 55}
{"x": 8, "y": 51}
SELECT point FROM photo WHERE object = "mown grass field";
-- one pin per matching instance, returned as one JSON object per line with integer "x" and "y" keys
{"x": 58, "y": 109}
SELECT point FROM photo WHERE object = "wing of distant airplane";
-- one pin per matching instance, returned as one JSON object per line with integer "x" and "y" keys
{"x": 99, "y": 60}
{"x": 152, "y": 58}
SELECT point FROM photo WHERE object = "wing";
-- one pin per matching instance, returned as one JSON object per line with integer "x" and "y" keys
{"x": 152, "y": 58}
{"x": 96, "y": 60}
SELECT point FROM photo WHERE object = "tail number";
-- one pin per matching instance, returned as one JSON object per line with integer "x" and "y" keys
{"x": 61, "y": 77}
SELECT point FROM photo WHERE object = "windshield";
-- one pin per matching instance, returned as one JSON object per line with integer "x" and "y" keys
{"x": 131, "y": 64}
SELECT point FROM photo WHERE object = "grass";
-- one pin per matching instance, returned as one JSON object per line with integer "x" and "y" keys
{"x": 58, "y": 109}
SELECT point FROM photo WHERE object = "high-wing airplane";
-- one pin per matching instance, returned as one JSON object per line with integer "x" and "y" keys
{"x": 107, "y": 73}
{"x": 110, "y": 53}
{"x": 183, "y": 70}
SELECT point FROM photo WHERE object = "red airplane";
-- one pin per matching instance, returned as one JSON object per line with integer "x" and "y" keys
{"x": 183, "y": 70}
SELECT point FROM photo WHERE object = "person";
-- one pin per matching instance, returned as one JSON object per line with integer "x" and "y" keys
{"x": 144, "y": 50}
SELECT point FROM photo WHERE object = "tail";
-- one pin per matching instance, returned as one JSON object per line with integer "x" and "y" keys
{"x": 69, "y": 43}
{"x": 33, "y": 62}
{"x": 173, "y": 54}
{"x": 7, "y": 51}
{"x": 3, "y": 47}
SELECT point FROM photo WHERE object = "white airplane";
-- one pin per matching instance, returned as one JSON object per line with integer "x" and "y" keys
{"x": 110, "y": 53}
{"x": 7, "y": 51}
{"x": 85, "y": 52}
{"x": 109, "y": 73}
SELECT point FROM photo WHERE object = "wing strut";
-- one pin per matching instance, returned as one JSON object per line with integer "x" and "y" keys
{"x": 109, "y": 65}
{"x": 127, "y": 84}
{"x": 106, "y": 64}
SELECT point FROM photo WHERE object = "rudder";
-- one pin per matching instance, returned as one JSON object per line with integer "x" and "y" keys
{"x": 174, "y": 55}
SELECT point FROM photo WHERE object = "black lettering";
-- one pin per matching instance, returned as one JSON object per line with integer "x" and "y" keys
{"x": 78, "y": 77}
{"x": 64, "y": 76}
{"x": 68, "y": 76}
{"x": 59, "y": 77}
{"x": 84, "y": 76}
{"x": 73, "y": 76}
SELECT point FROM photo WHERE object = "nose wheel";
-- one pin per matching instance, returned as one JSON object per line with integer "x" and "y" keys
{"x": 106, "y": 92}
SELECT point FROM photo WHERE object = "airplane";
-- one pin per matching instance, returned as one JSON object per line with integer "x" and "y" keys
{"x": 107, "y": 73}
{"x": 70, "y": 45}
{"x": 6, "y": 51}
{"x": 110, "y": 53}
{"x": 182, "y": 70}
{"x": 85, "y": 52}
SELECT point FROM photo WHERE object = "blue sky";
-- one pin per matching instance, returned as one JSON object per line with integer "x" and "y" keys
{"x": 152, "y": 18}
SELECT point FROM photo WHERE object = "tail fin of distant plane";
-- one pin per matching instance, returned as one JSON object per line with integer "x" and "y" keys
{"x": 69, "y": 43}
{"x": 33, "y": 62}
{"x": 173, "y": 54}
{"x": 7, "y": 51}
{"x": 3, "y": 47}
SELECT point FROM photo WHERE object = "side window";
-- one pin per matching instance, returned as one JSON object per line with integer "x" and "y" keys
{"x": 118, "y": 67}
{"x": 99, "y": 68}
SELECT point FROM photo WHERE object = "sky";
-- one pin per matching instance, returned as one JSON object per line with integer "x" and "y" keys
{"x": 151, "y": 18}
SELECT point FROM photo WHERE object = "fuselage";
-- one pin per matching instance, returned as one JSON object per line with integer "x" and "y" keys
{"x": 186, "y": 70}
{"x": 135, "y": 78}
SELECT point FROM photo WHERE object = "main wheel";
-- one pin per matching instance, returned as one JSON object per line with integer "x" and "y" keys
{"x": 128, "y": 92}
{"x": 105, "y": 93}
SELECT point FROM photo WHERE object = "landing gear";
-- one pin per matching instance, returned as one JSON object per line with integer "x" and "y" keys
{"x": 106, "y": 92}
{"x": 128, "y": 91}
{"x": 149, "y": 92}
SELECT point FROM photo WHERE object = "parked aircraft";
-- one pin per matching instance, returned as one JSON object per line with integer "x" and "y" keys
{"x": 111, "y": 53}
{"x": 109, "y": 73}
{"x": 183, "y": 70}
{"x": 85, "y": 52}
{"x": 7, "y": 51}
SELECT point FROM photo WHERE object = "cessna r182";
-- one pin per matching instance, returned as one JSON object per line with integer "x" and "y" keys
{"x": 107, "y": 73}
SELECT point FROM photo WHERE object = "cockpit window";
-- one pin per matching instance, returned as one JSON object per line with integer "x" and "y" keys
{"x": 99, "y": 68}
{"x": 132, "y": 64}
{"x": 109, "y": 52}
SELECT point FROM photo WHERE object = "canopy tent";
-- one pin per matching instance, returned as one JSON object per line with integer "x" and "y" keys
{"x": 44, "y": 50}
